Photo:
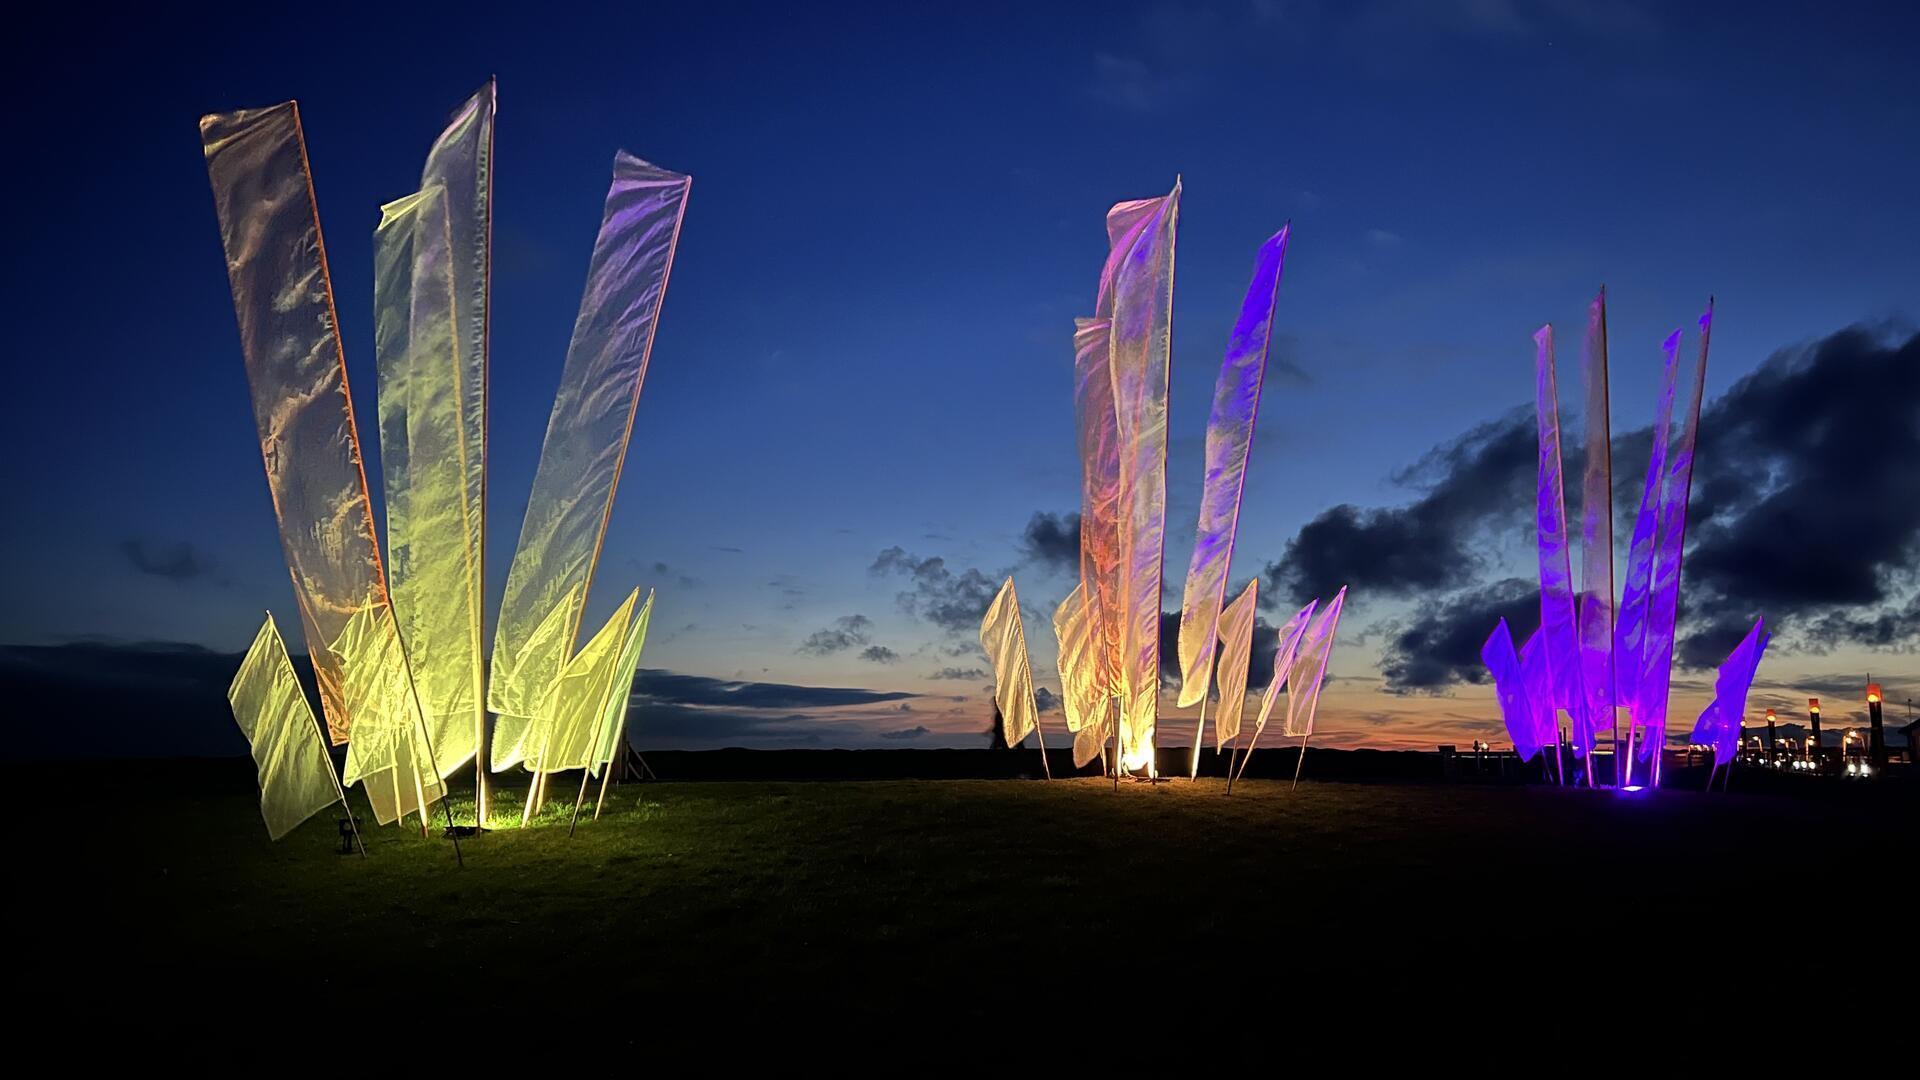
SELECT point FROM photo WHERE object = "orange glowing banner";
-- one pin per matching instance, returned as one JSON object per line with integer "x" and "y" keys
{"x": 585, "y": 446}
{"x": 296, "y": 372}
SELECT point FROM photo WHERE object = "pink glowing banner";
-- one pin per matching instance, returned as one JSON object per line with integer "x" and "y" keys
{"x": 1630, "y": 633}
{"x": 1557, "y": 621}
{"x": 1236, "y": 405}
{"x": 1289, "y": 638}
{"x": 586, "y": 442}
{"x": 1720, "y": 725}
{"x": 1595, "y": 610}
{"x": 1670, "y": 544}
{"x": 1137, "y": 287}
{"x": 1510, "y": 687}
{"x": 1100, "y": 578}
{"x": 1309, "y": 672}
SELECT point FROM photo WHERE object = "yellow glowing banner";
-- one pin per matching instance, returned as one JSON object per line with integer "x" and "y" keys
{"x": 296, "y": 372}
{"x": 1137, "y": 283}
{"x": 1236, "y": 655}
{"x": 613, "y": 720}
{"x": 1082, "y": 698}
{"x": 567, "y": 730}
{"x": 1005, "y": 639}
{"x": 388, "y": 754}
{"x": 513, "y": 736}
{"x": 296, "y": 775}
{"x": 431, "y": 256}
{"x": 587, "y": 435}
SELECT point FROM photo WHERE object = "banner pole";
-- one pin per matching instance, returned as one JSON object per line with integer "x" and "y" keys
{"x": 1199, "y": 736}
{"x": 1301, "y": 762}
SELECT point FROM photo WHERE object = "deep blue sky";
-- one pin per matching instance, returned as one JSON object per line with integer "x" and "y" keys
{"x": 894, "y": 220}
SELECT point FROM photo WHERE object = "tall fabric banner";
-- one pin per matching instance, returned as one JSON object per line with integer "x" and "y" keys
{"x": 1005, "y": 640}
{"x": 1236, "y": 656}
{"x": 1138, "y": 278}
{"x": 1289, "y": 647}
{"x": 1101, "y": 581}
{"x": 1536, "y": 674}
{"x": 297, "y": 375}
{"x": 296, "y": 776}
{"x": 1595, "y": 608}
{"x": 1630, "y": 633}
{"x": 428, "y": 431}
{"x": 1510, "y": 687}
{"x": 566, "y": 733}
{"x": 1719, "y": 726}
{"x": 1556, "y": 575}
{"x": 1082, "y": 698}
{"x": 1663, "y": 605}
{"x": 586, "y": 442}
{"x": 613, "y": 722}
{"x": 1310, "y": 669}
{"x": 1236, "y": 406}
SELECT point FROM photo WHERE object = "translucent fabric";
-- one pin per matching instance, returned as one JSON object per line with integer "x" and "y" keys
{"x": 431, "y": 260}
{"x": 1663, "y": 604}
{"x": 1099, "y": 441}
{"x": 1595, "y": 607}
{"x": 389, "y": 752}
{"x": 297, "y": 377}
{"x": 513, "y": 737}
{"x": 1082, "y": 698}
{"x": 568, "y": 729}
{"x": 1510, "y": 688}
{"x": 1236, "y": 654}
{"x": 1137, "y": 283}
{"x": 296, "y": 775}
{"x": 1005, "y": 640}
{"x": 1556, "y": 576}
{"x": 1092, "y": 738}
{"x": 1236, "y": 405}
{"x": 1719, "y": 726}
{"x": 1630, "y": 633}
{"x": 613, "y": 720}
{"x": 1290, "y": 636}
{"x": 587, "y": 431}
{"x": 428, "y": 431}
{"x": 1537, "y": 676}
{"x": 1310, "y": 669}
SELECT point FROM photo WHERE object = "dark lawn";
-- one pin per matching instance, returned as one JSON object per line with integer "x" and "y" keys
{"x": 912, "y": 912}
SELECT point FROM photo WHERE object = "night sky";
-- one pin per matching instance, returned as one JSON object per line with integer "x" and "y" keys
{"x": 858, "y": 417}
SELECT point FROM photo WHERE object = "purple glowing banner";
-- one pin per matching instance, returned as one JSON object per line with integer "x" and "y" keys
{"x": 1595, "y": 609}
{"x": 1137, "y": 287}
{"x": 1630, "y": 632}
{"x": 1557, "y": 621}
{"x": 1236, "y": 405}
{"x": 1663, "y": 604}
{"x": 1719, "y": 726}
{"x": 1510, "y": 687}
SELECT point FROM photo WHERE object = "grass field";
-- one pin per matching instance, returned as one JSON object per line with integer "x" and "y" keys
{"x": 1058, "y": 914}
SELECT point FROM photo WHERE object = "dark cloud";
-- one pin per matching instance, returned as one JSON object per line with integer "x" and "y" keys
{"x": 847, "y": 632}
{"x": 1045, "y": 700}
{"x": 959, "y": 673}
{"x": 915, "y": 732}
{"x": 655, "y": 687}
{"x": 1438, "y": 645}
{"x": 1052, "y": 541}
{"x": 1806, "y": 504}
{"x": 1266, "y": 639}
{"x": 879, "y": 654}
{"x": 1425, "y": 546}
{"x": 950, "y": 601}
{"x": 175, "y": 562}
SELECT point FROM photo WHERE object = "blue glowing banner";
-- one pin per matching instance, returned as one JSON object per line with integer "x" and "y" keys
{"x": 1510, "y": 687}
{"x": 1236, "y": 405}
{"x": 1670, "y": 543}
{"x": 1557, "y": 621}
{"x": 1719, "y": 726}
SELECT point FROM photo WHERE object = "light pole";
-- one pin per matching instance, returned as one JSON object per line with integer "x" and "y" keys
{"x": 1773, "y": 743}
{"x": 1813, "y": 710}
{"x": 1877, "y": 746}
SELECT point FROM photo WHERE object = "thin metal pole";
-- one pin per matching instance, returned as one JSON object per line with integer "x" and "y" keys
{"x": 1199, "y": 737}
{"x": 1039, "y": 728}
{"x": 585, "y": 775}
{"x": 1117, "y": 766}
{"x": 618, "y": 759}
{"x": 334, "y": 775}
{"x": 1233, "y": 756}
{"x": 1301, "y": 762}
{"x": 1251, "y": 743}
{"x": 420, "y": 714}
